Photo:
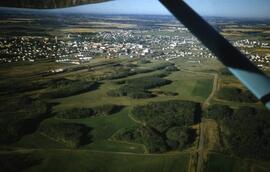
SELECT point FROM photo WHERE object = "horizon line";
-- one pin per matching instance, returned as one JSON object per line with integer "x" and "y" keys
{"x": 53, "y": 11}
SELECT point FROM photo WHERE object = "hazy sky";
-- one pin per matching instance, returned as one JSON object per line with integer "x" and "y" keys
{"x": 232, "y": 8}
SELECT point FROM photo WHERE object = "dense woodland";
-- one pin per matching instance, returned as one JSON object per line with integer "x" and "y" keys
{"x": 15, "y": 162}
{"x": 249, "y": 133}
{"x": 72, "y": 135}
{"x": 166, "y": 125}
{"x": 131, "y": 69}
{"x": 21, "y": 116}
{"x": 237, "y": 95}
{"x": 77, "y": 113}
{"x": 136, "y": 89}
{"x": 63, "y": 88}
{"x": 219, "y": 112}
{"x": 246, "y": 129}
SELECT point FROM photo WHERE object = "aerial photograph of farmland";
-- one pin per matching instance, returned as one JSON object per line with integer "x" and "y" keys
{"x": 127, "y": 92}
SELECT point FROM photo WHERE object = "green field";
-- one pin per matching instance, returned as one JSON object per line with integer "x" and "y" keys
{"x": 85, "y": 161}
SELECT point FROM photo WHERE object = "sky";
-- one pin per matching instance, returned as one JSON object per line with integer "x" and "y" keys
{"x": 228, "y": 8}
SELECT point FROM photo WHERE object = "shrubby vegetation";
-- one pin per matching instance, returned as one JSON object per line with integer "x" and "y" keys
{"x": 77, "y": 113}
{"x": 166, "y": 125}
{"x": 72, "y": 135}
{"x": 137, "y": 88}
{"x": 21, "y": 117}
{"x": 64, "y": 88}
{"x": 236, "y": 94}
{"x": 219, "y": 112}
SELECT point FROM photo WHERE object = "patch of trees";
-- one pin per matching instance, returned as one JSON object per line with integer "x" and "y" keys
{"x": 137, "y": 88}
{"x": 22, "y": 117}
{"x": 177, "y": 138}
{"x": 63, "y": 88}
{"x": 78, "y": 113}
{"x": 163, "y": 115}
{"x": 236, "y": 94}
{"x": 166, "y": 125}
{"x": 123, "y": 73}
{"x": 130, "y": 92}
{"x": 180, "y": 137}
{"x": 161, "y": 66}
{"x": 14, "y": 162}
{"x": 13, "y": 86}
{"x": 131, "y": 65}
{"x": 250, "y": 133}
{"x": 160, "y": 74}
{"x": 219, "y": 112}
{"x": 247, "y": 131}
{"x": 71, "y": 134}
{"x": 144, "y": 61}
{"x": 171, "y": 68}
{"x": 166, "y": 93}
{"x": 147, "y": 82}
{"x": 106, "y": 109}
{"x": 152, "y": 140}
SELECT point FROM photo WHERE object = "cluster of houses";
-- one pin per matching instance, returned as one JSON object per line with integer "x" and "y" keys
{"x": 77, "y": 49}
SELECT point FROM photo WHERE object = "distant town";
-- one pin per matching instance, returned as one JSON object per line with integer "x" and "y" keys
{"x": 167, "y": 43}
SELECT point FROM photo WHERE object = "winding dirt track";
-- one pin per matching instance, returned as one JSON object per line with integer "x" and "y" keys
{"x": 214, "y": 89}
{"x": 201, "y": 150}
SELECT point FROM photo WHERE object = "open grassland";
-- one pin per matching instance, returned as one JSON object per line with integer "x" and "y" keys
{"x": 85, "y": 161}
{"x": 189, "y": 85}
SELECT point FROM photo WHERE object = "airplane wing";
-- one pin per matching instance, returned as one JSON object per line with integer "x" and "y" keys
{"x": 46, "y": 4}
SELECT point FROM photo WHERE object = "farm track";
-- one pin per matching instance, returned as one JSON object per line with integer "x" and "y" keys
{"x": 201, "y": 146}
